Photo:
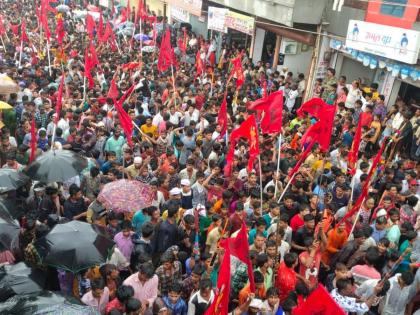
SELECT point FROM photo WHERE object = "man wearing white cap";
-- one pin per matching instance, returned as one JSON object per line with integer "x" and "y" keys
{"x": 186, "y": 194}
{"x": 134, "y": 170}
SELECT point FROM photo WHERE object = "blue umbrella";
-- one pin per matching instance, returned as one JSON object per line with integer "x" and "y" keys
{"x": 141, "y": 37}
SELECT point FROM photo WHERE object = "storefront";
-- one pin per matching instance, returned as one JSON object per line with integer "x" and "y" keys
{"x": 382, "y": 54}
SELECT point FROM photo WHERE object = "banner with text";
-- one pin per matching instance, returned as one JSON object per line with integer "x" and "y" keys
{"x": 241, "y": 23}
{"x": 180, "y": 14}
{"x": 192, "y": 6}
{"x": 217, "y": 19}
{"x": 385, "y": 41}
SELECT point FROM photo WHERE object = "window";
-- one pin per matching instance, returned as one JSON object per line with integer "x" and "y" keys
{"x": 394, "y": 8}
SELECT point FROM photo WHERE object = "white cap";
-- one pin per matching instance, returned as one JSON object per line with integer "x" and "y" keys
{"x": 185, "y": 182}
{"x": 100, "y": 124}
{"x": 175, "y": 191}
{"x": 138, "y": 160}
{"x": 381, "y": 213}
{"x": 256, "y": 303}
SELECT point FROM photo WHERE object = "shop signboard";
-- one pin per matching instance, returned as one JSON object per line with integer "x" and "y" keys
{"x": 180, "y": 14}
{"x": 217, "y": 19}
{"x": 241, "y": 23}
{"x": 385, "y": 41}
{"x": 191, "y": 6}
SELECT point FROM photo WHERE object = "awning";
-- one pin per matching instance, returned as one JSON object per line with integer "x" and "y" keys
{"x": 302, "y": 37}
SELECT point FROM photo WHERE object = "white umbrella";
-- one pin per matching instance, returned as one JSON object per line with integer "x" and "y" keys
{"x": 7, "y": 85}
{"x": 63, "y": 8}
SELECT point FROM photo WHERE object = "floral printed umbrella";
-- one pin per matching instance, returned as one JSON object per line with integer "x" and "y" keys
{"x": 126, "y": 195}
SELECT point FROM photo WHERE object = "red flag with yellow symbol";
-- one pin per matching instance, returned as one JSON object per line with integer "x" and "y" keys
{"x": 249, "y": 131}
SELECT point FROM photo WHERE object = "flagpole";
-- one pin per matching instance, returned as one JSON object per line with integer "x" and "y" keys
{"x": 261, "y": 187}
{"x": 357, "y": 218}
{"x": 49, "y": 58}
{"x": 2, "y": 42}
{"x": 141, "y": 40}
{"x": 278, "y": 167}
{"x": 287, "y": 186}
{"x": 53, "y": 134}
{"x": 20, "y": 54}
{"x": 173, "y": 82}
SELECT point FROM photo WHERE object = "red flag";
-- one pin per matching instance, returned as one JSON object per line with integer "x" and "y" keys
{"x": 248, "y": 129}
{"x": 365, "y": 188}
{"x": 182, "y": 42}
{"x": 221, "y": 299}
{"x": 314, "y": 107}
{"x": 100, "y": 26}
{"x": 23, "y": 35}
{"x": 141, "y": 12}
{"x": 131, "y": 65}
{"x": 239, "y": 250}
{"x": 14, "y": 28}
{"x": 43, "y": 19}
{"x": 272, "y": 106}
{"x": 107, "y": 33}
{"x": 237, "y": 71}
{"x": 125, "y": 120}
{"x": 33, "y": 140}
{"x": 2, "y": 26}
{"x": 128, "y": 10}
{"x": 222, "y": 118}
{"x": 60, "y": 30}
{"x": 322, "y": 129}
{"x": 90, "y": 25}
{"x": 88, "y": 68}
{"x": 318, "y": 302}
{"x": 113, "y": 91}
{"x": 354, "y": 151}
{"x": 199, "y": 64}
{"x": 166, "y": 54}
{"x": 94, "y": 61}
{"x": 58, "y": 106}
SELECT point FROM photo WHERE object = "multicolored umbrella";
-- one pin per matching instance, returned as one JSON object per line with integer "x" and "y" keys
{"x": 126, "y": 195}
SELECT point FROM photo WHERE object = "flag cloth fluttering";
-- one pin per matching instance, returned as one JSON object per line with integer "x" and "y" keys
{"x": 237, "y": 72}
{"x": 33, "y": 140}
{"x": 221, "y": 299}
{"x": 321, "y": 131}
{"x": 222, "y": 117}
{"x": 113, "y": 91}
{"x": 88, "y": 68}
{"x": 60, "y": 31}
{"x": 354, "y": 151}
{"x": 248, "y": 129}
{"x": 272, "y": 105}
{"x": 90, "y": 25}
{"x": 318, "y": 302}
{"x": 125, "y": 120}
{"x": 166, "y": 54}
{"x": 199, "y": 66}
{"x": 365, "y": 187}
{"x": 59, "y": 103}
{"x": 23, "y": 36}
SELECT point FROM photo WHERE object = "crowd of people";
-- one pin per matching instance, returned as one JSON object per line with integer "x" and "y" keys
{"x": 369, "y": 264}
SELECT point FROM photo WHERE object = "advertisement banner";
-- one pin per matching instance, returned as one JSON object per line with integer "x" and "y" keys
{"x": 191, "y": 6}
{"x": 385, "y": 41}
{"x": 241, "y": 23}
{"x": 180, "y": 14}
{"x": 217, "y": 19}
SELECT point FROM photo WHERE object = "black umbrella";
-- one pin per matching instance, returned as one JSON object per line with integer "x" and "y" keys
{"x": 20, "y": 279}
{"x": 74, "y": 246}
{"x": 56, "y": 166}
{"x": 11, "y": 179}
{"x": 45, "y": 303}
{"x": 9, "y": 229}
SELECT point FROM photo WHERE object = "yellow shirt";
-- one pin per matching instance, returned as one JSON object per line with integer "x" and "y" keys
{"x": 149, "y": 130}
{"x": 318, "y": 164}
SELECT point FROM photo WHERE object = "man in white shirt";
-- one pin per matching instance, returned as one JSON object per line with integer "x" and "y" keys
{"x": 202, "y": 299}
{"x": 343, "y": 296}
